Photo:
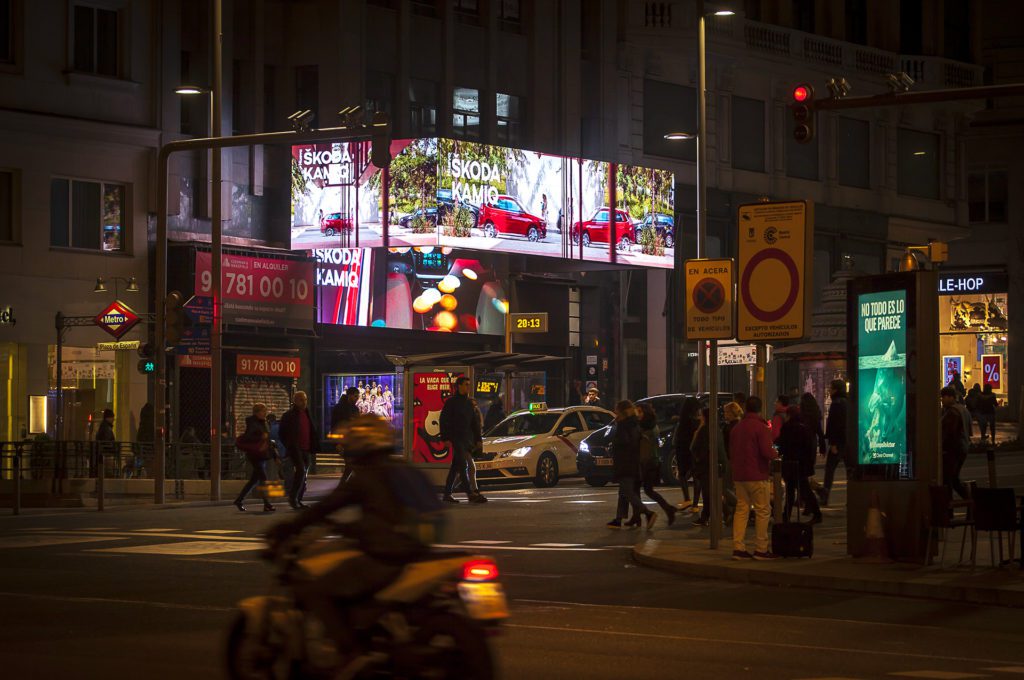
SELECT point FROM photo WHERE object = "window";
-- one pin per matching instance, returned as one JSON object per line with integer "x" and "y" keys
{"x": 7, "y": 31}
{"x": 669, "y": 108}
{"x": 96, "y": 40}
{"x": 509, "y": 115}
{"x": 424, "y": 8}
{"x": 6, "y": 205}
{"x": 595, "y": 420}
{"x": 467, "y": 11}
{"x": 854, "y": 141}
{"x": 857, "y": 21}
{"x": 422, "y": 107}
{"x": 987, "y": 195}
{"x": 802, "y": 159}
{"x": 307, "y": 89}
{"x": 87, "y": 215}
{"x": 917, "y": 163}
{"x": 910, "y": 26}
{"x": 803, "y": 15}
{"x": 466, "y": 113}
{"x": 510, "y": 11}
{"x": 957, "y": 30}
{"x": 747, "y": 134}
{"x": 380, "y": 87}
{"x": 570, "y": 420}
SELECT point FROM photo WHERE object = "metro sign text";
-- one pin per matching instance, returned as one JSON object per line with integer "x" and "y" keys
{"x": 117, "y": 318}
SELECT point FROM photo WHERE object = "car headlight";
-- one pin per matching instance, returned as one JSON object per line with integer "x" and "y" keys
{"x": 584, "y": 447}
{"x": 661, "y": 441}
{"x": 520, "y": 452}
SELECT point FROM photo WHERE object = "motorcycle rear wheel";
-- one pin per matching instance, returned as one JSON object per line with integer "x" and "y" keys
{"x": 452, "y": 647}
{"x": 249, "y": 657}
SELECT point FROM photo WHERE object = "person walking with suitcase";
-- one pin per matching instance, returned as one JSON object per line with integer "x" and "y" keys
{"x": 751, "y": 451}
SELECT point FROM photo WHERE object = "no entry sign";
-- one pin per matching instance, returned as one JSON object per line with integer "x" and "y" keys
{"x": 775, "y": 251}
{"x": 709, "y": 299}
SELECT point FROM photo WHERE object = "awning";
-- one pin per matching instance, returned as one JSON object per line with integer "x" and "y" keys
{"x": 495, "y": 360}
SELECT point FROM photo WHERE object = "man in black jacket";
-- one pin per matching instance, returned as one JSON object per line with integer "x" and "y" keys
{"x": 460, "y": 426}
{"x": 835, "y": 433}
{"x": 300, "y": 439}
{"x": 346, "y": 408}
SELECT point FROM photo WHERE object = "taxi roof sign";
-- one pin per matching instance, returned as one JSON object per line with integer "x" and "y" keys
{"x": 538, "y": 406}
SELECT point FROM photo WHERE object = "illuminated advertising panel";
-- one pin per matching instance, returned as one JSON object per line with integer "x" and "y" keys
{"x": 429, "y": 392}
{"x": 344, "y": 278}
{"x": 413, "y": 193}
{"x": 260, "y": 291}
{"x": 882, "y": 377}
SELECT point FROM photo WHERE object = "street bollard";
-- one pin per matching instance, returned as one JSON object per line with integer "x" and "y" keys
{"x": 778, "y": 497}
{"x": 17, "y": 483}
{"x": 101, "y": 474}
{"x": 990, "y": 456}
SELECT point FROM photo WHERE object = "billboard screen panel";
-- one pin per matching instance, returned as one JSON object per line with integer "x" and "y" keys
{"x": 882, "y": 377}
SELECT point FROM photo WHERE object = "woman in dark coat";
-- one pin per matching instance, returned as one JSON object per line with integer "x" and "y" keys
{"x": 626, "y": 465}
{"x": 689, "y": 415}
{"x": 257, "y": 448}
{"x": 797, "y": 444}
{"x": 650, "y": 463}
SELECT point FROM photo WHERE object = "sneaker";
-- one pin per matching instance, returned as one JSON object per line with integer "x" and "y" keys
{"x": 267, "y": 507}
{"x": 632, "y": 524}
{"x": 700, "y": 522}
{"x": 764, "y": 556}
{"x": 478, "y": 498}
{"x": 684, "y": 505}
{"x": 238, "y": 504}
{"x": 816, "y": 519}
{"x": 741, "y": 555}
{"x": 694, "y": 509}
{"x": 614, "y": 524}
{"x": 671, "y": 514}
{"x": 448, "y": 498}
{"x": 652, "y": 519}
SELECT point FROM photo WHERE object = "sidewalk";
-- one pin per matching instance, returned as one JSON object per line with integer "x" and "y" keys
{"x": 684, "y": 550}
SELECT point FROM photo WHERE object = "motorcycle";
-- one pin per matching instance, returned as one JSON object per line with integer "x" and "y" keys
{"x": 432, "y": 621}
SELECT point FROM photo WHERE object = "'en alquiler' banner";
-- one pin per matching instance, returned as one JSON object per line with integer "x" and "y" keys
{"x": 882, "y": 377}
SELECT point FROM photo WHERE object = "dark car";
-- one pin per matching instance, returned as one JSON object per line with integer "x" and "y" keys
{"x": 594, "y": 458}
{"x": 429, "y": 214}
{"x": 446, "y": 205}
{"x": 663, "y": 225}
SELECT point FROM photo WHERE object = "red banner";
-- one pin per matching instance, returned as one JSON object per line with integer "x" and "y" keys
{"x": 429, "y": 392}
{"x": 992, "y": 371}
{"x": 259, "y": 291}
{"x": 267, "y": 366}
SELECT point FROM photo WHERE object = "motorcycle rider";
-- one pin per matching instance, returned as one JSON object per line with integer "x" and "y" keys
{"x": 398, "y": 522}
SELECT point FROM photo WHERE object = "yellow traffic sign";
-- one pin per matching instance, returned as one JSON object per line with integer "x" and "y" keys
{"x": 710, "y": 308}
{"x": 776, "y": 246}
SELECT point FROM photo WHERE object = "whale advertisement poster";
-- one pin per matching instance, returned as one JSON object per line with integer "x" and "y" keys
{"x": 882, "y": 377}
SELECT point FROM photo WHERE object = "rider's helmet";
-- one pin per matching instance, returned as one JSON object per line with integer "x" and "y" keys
{"x": 364, "y": 435}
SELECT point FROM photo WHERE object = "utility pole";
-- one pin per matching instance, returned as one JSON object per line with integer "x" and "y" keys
{"x": 216, "y": 257}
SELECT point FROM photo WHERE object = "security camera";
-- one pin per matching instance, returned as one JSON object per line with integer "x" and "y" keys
{"x": 300, "y": 120}
{"x": 838, "y": 87}
{"x": 905, "y": 80}
{"x": 350, "y": 115}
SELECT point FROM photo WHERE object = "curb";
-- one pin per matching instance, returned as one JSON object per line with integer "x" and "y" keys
{"x": 953, "y": 593}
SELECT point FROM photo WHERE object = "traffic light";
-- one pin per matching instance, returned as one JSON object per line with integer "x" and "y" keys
{"x": 147, "y": 366}
{"x": 803, "y": 113}
{"x": 380, "y": 140}
{"x": 174, "y": 318}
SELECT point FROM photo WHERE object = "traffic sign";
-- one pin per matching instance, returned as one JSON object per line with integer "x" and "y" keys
{"x": 117, "y": 318}
{"x": 776, "y": 245}
{"x": 195, "y": 340}
{"x": 738, "y": 355}
{"x": 200, "y": 309}
{"x": 710, "y": 307}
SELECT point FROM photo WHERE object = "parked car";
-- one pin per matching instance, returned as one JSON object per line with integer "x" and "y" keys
{"x": 596, "y": 229}
{"x": 446, "y": 205}
{"x": 430, "y": 214}
{"x": 538, "y": 445}
{"x": 335, "y": 223}
{"x": 594, "y": 459}
{"x": 506, "y": 216}
{"x": 663, "y": 225}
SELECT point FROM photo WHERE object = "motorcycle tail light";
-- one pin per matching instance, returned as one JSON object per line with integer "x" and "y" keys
{"x": 479, "y": 570}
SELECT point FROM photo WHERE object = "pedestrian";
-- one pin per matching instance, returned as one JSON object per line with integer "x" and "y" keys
{"x": 682, "y": 438}
{"x": 626, "y": 466}
{"x": 544, "y": 210}
{"x": 147, "y": 422}
{"x": 835, "y": 434}
{"x": 986, "y": 412}
{"x": 650, "y": 463}
{"x": 797, "y": 448}
{"x": 954, "y": 446}
{"x": 478, "y": 449}
{"x": 300, "y": 439}
{"x": 345, "y": 409}
{"x": 971, "y": 402}
{"x": 958, "y": 386}
{"x": 255, "y": 444}
{"x": 593, "y": 398}
{"x": 810, "y": 414}
{"x": 732, "y": 414}
{"x": 460, "y": 426}
{"x": 750, "y": 452}
{"x": 702, "y": 462}
{"x": 105, "y": 439}
{"x": 495, "y": 413}
{"x": 779, "y": 416}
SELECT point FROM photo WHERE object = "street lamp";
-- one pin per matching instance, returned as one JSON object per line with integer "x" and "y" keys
{"x": 678, "y": 136}
{"x": 189, "y": 90}
{"x": 131, "y": 285}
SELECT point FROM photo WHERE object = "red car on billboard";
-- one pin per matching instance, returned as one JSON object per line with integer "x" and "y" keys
{"x": 335, "y": 223}
{"x": 596, "y": 229}
{"x": 507, "y": 216}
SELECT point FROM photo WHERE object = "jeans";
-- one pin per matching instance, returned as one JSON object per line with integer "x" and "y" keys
{"x": 629, "y": 497}
{"x": 755, "y": 494}
{"x": 647, "y": 484}
{"x": 300, "y": 464}
{"x": 987, "y": 422}
{"x": 951, "y": 464}
{"x": 808, "y": 498}
{"x": 831, "y": 463}
{"x": 458, "y": 470}
{"x": 683, "y": 464}
{"x": 259, "y": 476}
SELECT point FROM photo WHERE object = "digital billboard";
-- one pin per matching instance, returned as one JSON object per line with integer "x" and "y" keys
{"x": 458, "y": 194}
{"x": 260, "y": 291}
{"x": 882, "y": 377}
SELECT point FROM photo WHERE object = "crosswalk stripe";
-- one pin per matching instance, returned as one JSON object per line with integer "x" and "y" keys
{"x": 220, "y": 531}
{"x": 586, "y": 502}
{"x": 528, "y": 548}
{"x": 182, "y": 548}
{"x": 43, "y": 540}
{"x": 485, "y": 542}
{"x": 532, "y": 500}
{"x": 146, "y": 531}
{"x": 936, "y": 675}
{"x": 557, "y": 545}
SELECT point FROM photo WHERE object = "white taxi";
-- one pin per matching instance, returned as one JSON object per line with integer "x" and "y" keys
{"x": 538, "y": 444}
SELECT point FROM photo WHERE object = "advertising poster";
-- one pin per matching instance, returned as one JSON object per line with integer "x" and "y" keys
{"x": 952, "y": 363}
{"x": 882, "y": 377}
{"x": 379, "y": 394}
{"x": 429, "y": 392}
{"x": 992, "y": 371}
{"x": 261, "y": 291}
{"x": 413, "y": 193}
{"x": 344, "y": 278}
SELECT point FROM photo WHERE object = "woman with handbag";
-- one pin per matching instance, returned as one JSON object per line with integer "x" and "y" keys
{"x": 256, "y": 446}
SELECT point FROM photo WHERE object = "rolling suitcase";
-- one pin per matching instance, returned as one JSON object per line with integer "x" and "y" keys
{"x": 793, "y": 539}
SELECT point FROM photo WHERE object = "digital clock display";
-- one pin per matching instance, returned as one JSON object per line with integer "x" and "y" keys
{"x": 529, "y": 323}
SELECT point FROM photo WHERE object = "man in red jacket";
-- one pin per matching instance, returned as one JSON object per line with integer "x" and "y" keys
{"x": 750, "y": 451}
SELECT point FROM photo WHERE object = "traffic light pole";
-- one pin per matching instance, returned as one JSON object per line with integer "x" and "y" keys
{"x": 216, "y": 256}
{"x": 702, "y": 145}
{"x": 344, "y": 133}
{"x": 906, "y": 98}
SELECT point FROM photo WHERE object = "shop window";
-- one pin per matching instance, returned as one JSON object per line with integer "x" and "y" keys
{"x": 96, "y": 40}
{"x": 307, "y": 90}
{"x": 802, "y": 159}
{"x": 509, "y": 118}
{"x": 854, "y": 141}
{"x": 87, "y": 215}
{"x": 422, "y": 108}
{"x": 466, "y": 113}
{"x": 747, "y": 134}
{"x": 669, "y": 108}
{"x": 917, "y": 164}
{"x": 7, "y": 31}
{"x": 987, "y": 195}
{"x": 6, "y": 206}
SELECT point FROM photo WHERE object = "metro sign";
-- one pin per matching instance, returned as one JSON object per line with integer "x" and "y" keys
{"x": 117, "y": 319}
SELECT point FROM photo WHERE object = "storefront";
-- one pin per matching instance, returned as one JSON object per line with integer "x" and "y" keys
{"x": 974, "y": 327}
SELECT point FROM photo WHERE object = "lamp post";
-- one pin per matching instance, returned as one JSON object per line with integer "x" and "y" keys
{"x": 131, "y": 285}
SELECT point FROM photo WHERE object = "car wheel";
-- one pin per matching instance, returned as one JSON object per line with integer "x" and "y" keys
{"x": 586, "y": 240}
{"x": 329, "y": 231}
{"x": 624, "y": 243}
{"x": 533, "y": 234}
{"x": 596, "y": 482}
{"x": 490, "y": 231}
{"x": 547, "y": 471}
{"x": 669, "y": 241}
{"x": 670, "y": 471}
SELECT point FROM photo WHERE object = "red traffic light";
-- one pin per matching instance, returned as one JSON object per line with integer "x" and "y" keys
{"x": 802, "y": 93}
